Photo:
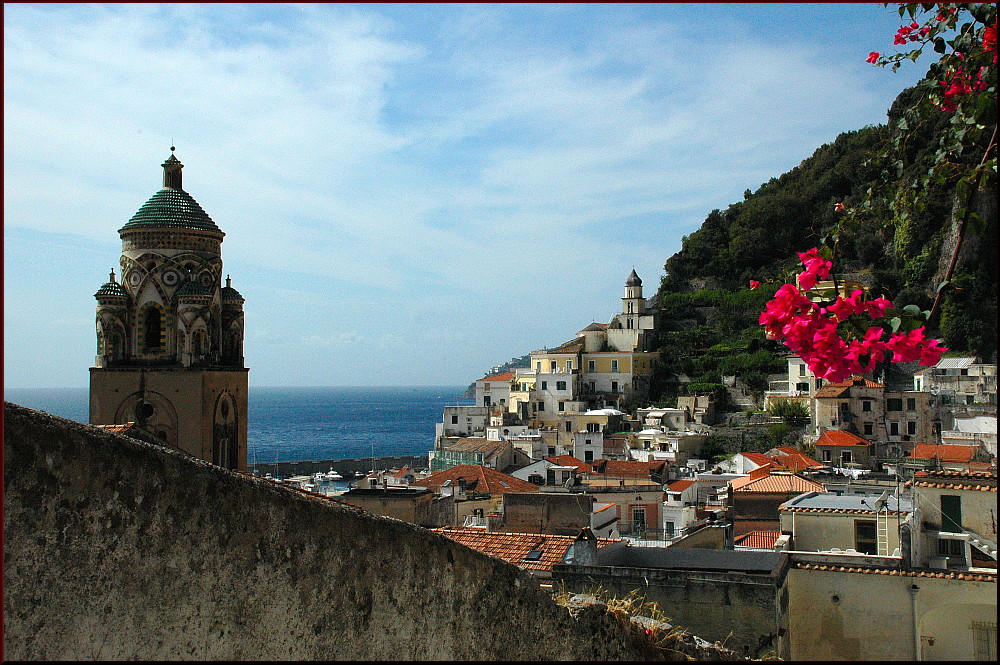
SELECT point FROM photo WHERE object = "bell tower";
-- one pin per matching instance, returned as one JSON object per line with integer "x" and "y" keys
{"x": 169, "y": 335}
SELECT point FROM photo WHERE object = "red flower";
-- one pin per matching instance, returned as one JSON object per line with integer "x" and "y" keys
{"x": 839, "y": 206}
{"x": 754, "y": 283}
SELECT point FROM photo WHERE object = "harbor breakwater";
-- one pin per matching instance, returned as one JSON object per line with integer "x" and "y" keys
{"x": 345, "y": 467}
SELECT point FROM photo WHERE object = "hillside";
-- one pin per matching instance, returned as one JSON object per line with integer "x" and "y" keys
{"x": 710, "y": 329}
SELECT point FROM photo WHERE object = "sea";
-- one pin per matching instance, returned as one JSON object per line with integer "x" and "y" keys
{"x": 296, "y": 424}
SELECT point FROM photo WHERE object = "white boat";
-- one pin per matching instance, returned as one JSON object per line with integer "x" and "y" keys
{"x": 329, "y": 476}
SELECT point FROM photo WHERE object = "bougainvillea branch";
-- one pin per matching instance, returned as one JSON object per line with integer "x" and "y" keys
{"x": 846, "y": 336}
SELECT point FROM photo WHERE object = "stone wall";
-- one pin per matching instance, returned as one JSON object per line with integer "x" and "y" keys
{"x": 119, "y": 549}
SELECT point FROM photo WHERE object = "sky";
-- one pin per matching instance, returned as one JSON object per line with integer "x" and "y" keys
{"x": 411, "y": 193}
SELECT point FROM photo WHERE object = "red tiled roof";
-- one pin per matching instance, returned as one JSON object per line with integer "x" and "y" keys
{"x": 743, "y": 527}
{"x": 796, "y": 462}
{"x": 842, "y": 388}
{"x": 478, "y": 480}
{"x": 514, "y": 547}
{"x": 763, "y": 539}
{"x": 838, "y": 437}
{"x": 503, "y": 376}
{"x": 626, "y": 468}
{"x": 569, "y": 460}
{"x": 474, "y": 444}
{"x": 945, "y": 453}
{"x": 680, "y": 485}
{"x": 402, "y": 472}
{"x": 976, "y": 481}
{"x": 760, "y": 459}
{"x": 868, "y": 570}
{"x": 776, "y": 482}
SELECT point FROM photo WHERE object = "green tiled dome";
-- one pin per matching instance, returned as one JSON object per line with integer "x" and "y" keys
{"x": 229, "y": 294}
{"x": 111, "y": 289}
{"x": 171, "y": 208}
{"x": 194, "y": 289}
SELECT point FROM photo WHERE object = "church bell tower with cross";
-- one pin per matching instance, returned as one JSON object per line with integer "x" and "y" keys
{"x": 170, "y": 335}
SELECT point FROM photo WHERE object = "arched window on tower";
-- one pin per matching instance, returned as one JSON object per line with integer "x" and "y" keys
{"x": 152, "y": 330}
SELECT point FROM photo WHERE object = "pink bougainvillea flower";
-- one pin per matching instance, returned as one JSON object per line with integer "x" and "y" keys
{"x": 873, "y": 57}
{"x": 840, "y": 206}
{"x": 754, "y": 283}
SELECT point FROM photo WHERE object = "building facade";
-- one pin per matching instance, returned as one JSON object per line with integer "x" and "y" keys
{"x": 170, "y": 335}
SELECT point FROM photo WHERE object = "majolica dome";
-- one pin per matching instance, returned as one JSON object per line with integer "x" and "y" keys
{"x": 171, "y": 207}
{"x": 229, "y": 294}
{"x": 633, "y": 279}
{"x": 193, "y": 289}
{"x": 111, "y": 289}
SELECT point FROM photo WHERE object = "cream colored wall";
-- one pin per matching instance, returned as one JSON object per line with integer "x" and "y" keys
{"x": 814, "y": 532}
{"x": 872, "y": 617}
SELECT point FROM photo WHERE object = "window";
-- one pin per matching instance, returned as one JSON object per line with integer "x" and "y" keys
{"x": 152, "y": 329}
{"x": 486, "y": 400}
{"x": 911, "y": 403}
{"x": 894, "y": 404}
{"x": 538, "y": 366}
{"x": 454, "y": 420}
{"x": 826, "y": 456}
{"x": 984, "y": 637}
{"x": 614, "y": 386}
{"x": 562, "y": 407}
{"x": 802, "y": 387}
{"x": 864, "y": 536}
{"x": 846, "y": 456}
{"x": 638, "y": 518}
{"x": 533, "y": 555}
{"x": 545, "y": 385}
{"x": 588, "y": 456}
{"x": 614, "y": 365}
{"x": 591, "y": 366}
{"x": 668, "y": 528}
{"x": 911, "y": 427}
{"x": 541, "y": 406}
{"x": 869, "y": 429}
{"x": 951, "y": 513}
{"x": 893, "y": 429}
{"x": 569, "y": 365}
{"x": 552, "y": 365}
{"x": 560, "y": 385}
{"x": 552, "y": 451}
{"x": 951, "y": 548}
{"x": 486, "y": 386}
{"x": 802, "y": 370}
{"x": 866, "y": 405}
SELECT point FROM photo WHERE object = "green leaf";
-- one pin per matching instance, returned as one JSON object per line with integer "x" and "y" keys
{"x": 894, "y": 323}
{"x": 940, "y": 46}
{"x": 940, "y": 286}
{"x": 927, "y": 314}
{"x": 912, "y": 309}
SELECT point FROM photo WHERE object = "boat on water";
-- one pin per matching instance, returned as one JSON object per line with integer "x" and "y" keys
{"x": 328, "y": 476}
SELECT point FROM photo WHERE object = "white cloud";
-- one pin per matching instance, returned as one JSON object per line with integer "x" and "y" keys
{"x": 401, "y": 180}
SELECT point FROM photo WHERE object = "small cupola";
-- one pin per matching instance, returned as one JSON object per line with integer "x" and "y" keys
{"x": 633, "y": 279}
{"x": 172, "y": 172}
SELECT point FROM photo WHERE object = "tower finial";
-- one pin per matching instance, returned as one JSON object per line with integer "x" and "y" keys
{"x": 112, "y": 278}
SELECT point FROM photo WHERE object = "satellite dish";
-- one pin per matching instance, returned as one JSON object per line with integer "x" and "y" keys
{"x": 881, "y": 500}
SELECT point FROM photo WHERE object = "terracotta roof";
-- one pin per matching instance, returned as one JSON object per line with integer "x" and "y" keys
{"x": 569, "y": 460}
{"x": 760, "y": 459}
{"x": 504, "y": 376}
{"x": 476, "y": 445}
{"x": 626, "y": 469}
{"x": 838, "y": 437}
{"x": 595, "y": 326}
{"x": 776, "y": 482}
{"x": 842, "y": 388}
{"x": 680, "y": 485}
{"x": 515, "y": 547}
{"x": 402, "y": 472}
{"x": 763, "y": 539}
{"x": 871, "y": 570}
{"x": 976, "y": 481}
{"x": 574, "y": 345}
{"x": 119, "y": 429}
{"x": 945, "y": 453}
{"x": 478, "y": 479}
{"x": 796, "y": 461}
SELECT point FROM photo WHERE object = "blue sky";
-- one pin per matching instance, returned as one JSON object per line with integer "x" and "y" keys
{"x": 410, "y": 193}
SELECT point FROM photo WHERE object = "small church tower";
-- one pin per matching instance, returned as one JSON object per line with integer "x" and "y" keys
{"x": 633, "y": 304}
{"x": 170, "y": 336}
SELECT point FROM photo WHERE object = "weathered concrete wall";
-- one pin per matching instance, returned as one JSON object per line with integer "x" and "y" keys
{"x": 734, "y": 609}
{"x": 118, "y": 549}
